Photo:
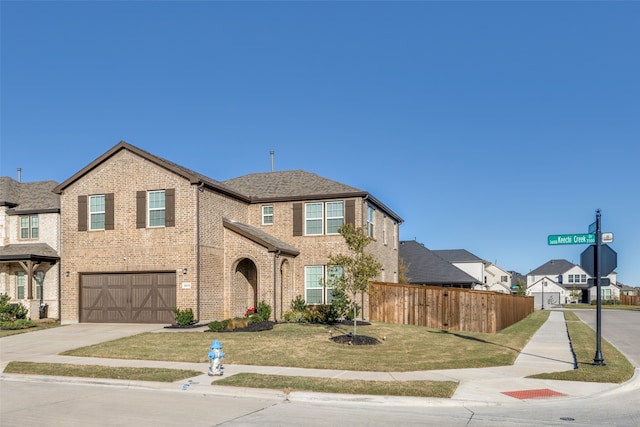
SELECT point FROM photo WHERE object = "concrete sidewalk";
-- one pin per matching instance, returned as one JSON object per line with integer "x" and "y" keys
{"x": 549, "y": 350}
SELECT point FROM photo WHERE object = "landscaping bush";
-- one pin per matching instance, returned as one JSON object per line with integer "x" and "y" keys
{"x": 184, "y": 317}
{"x": 264, "y": 311}
{"x": 298, "y": 304}
{"x": 17, "y": 324}
{"x": 218, "y": 325}
{"x": 11, "y": 312}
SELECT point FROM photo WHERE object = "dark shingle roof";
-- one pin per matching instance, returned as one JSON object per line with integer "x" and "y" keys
{"x": 272, "y": 244}
{"x": 35, "y": 196}
{"x": 426, "y": 267}
{"x": 288, "y": 185}
{"x": 193, "y": 177}
{"x": 554, "y": 267}
{"x": 28, "y": 251}
{"x": 457, "y": 255}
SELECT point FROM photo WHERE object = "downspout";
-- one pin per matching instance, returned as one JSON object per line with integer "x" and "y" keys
{"x": 276, "y": 255}
{"x": 198, "y": 284}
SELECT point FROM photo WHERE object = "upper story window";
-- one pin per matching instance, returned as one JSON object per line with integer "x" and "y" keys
{"x": 503, "y": 278}
{"x": 370, "y": 229}
{"x": 315, "y": 214}
{"x": 97, "y": 210}
{"x": 384, "y": 231}
{"x": 156, "y": 208}
{"x": 313, "y": 218}
{"x": 335, "y": 216}
{"x": 267, "y": 215}
{"x": 29, "y": 227}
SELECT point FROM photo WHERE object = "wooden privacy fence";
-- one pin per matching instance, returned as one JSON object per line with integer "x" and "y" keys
{"x": 446, "y": 308}
{"x": 630, "y": 299}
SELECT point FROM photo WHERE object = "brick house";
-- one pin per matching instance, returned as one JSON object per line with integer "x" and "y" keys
{"x": 29, "y": 244}
{"x": 141, "y": 235}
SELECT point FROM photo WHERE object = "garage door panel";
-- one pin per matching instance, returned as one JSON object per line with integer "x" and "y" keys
{"x": 128, "y": 298}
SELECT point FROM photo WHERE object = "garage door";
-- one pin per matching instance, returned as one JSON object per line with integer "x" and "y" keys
{"x": 128, "y": 297}
{"x": 550, "y": 299}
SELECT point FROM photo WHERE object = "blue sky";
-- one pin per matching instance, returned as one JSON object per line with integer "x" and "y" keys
{"x": 485, "y": 125}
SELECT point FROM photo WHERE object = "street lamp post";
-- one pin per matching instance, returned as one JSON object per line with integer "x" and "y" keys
{"x": 543, "y": 285}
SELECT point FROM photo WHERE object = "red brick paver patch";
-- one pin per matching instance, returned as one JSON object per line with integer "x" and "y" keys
{"x": 533, "y": 394}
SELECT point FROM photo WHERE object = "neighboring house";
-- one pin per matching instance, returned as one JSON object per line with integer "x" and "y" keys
{"x": 547, "y": 292}
{"x": 425, "y": 267}
{"x": 29, "y": 245}
{"x": 497, "y": 279}
{"x": 573, "y": 279}
{"x": 627, "y": 290}
{"x": 517, "y": 280}
{"x": 141, "y": 235}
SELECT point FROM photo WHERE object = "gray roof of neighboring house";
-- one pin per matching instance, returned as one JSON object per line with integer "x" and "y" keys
{"x": 426, "y": 267}
{"x": 457, "y": 255}
{"x": 260, "y": 237}
{"x": 28, "y": 251}
{"x": 28, "y": 197}
{"x": 297, "y": 185}
{"x": 554, "y": 267}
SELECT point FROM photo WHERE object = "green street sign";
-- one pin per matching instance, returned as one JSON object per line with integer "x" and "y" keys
{"x": 572, "y": 239}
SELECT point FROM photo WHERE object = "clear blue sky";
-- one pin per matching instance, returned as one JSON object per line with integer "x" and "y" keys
{"x": 485, "y": 125}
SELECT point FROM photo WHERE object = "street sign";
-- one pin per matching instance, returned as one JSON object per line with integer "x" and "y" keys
{"x": 607, "y": 238}
{"x": 608, "y": 260}
{"x": 572, "y": 239}
{"x": 592, "y": 227}
{"x": 604, "y": 281}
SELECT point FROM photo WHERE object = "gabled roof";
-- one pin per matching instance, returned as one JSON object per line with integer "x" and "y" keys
{"x": 28, "y": 197}
{"x": 29, "y": 252}
{"x": 296, "y": 185}
{"x": 457, "y": 255}
{"x": 193, "y": 177}
{"x": 260, "y": 237}
{"x": 426, "y": 267}
{"x": 554, "y": 267}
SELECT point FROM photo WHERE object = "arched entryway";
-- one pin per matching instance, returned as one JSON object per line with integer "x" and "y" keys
{"x": 244, "y": 289}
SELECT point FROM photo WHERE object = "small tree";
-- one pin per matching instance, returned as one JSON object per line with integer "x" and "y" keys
{"x": 521, "y": 287}
{"x": 358, "y": 267}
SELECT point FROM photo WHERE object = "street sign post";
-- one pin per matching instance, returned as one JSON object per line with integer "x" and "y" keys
{"x": 571, "y": 239}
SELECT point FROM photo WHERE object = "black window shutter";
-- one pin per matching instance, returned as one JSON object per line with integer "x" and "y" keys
{"x": 297, "y": 219}
{"x": 170, "y": 207}
{"x": 141, "y": 209}
{"x": 82, "y": 213}
{"x": 109, "y": 219}
{"x": 350, "y": 212}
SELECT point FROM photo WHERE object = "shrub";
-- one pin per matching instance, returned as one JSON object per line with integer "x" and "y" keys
{"x": 11, "y": 312}
{"x": 340, "y": 303}
{"x": 321, "y": 313}
{"x": 218, "y": 325}
{"x": 296, "y": 316}
{"x": 184, "y": 317}
{"x": 17, "y": 324}
{"x": 264, "y": 311}
{"x": 298, "y": 304}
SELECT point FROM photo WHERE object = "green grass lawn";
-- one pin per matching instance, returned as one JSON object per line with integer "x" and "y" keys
{"x": 401, "y": 348}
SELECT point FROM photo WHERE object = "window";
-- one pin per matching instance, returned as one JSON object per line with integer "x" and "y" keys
{"x": 395, "y": 235}
{"x": 335, "y": 216}
{"x": 571, "y": 278}
{"x": 503, "y": 278}
{"x": 605, "y": 294}
{"x": 267, "y": 215}
{"x": 583, "y": 278}
{"x": 318, "y": 280}
{"x": 20, "y": 282}
{"x": 156, "y": 211}
{"x": 369, "y": 221}
{"x": 96, "y": 212}
{"x": 29, "y": 227}
{"x": 313, "y": 218}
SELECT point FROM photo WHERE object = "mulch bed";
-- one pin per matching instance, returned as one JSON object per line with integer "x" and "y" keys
{"x": 357, "y": 340}
{"x": 265, "y": 325}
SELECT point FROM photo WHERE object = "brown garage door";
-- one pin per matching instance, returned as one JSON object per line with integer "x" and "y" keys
{"x": 128, "y": 297}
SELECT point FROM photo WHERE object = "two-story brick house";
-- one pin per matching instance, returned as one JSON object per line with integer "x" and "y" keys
{"x": 29, "y": 245}
{"x": 141, "y": 235}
